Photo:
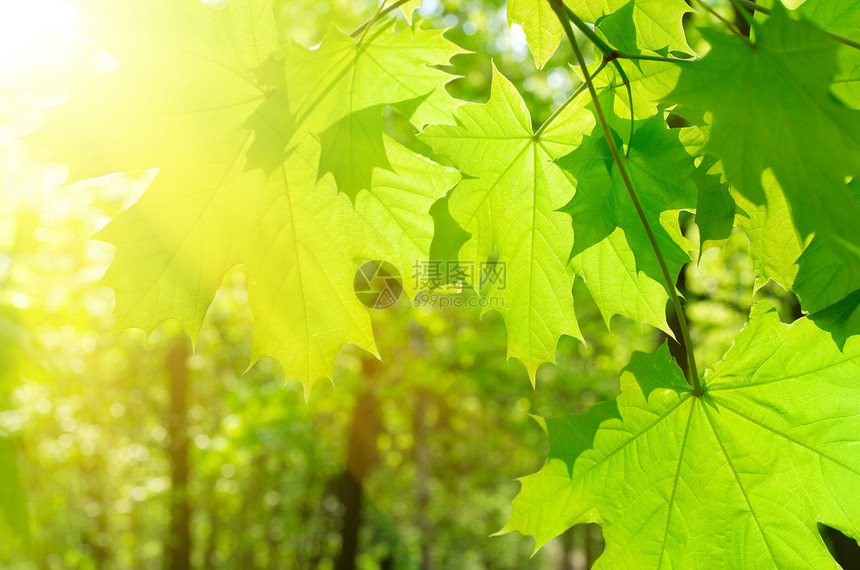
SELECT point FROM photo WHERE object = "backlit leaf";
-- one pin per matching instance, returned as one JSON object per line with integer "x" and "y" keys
{"x": 737, "y": 478}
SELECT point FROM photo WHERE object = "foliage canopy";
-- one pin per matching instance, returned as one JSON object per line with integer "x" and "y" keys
{"x": 282, "y": 158}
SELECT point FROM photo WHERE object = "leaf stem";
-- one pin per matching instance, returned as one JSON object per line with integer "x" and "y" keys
{"x": 763, "y": 10}
{"x": 372, "y": 20}
{"x": 732, "y": 28}
{"x": 626, "y": 81}
{"x": 744, "y": 12}
{"x": 692, "y": 372}
{"x": 649, "y": 57}
{"x": 584, "y": 28}
{"x": 613, "y": 55}
{"x": 609, "y": 51}
{"x": 754, "y": 6}
{"x": 582, "y": 87}
{"x": 362, "y": 29}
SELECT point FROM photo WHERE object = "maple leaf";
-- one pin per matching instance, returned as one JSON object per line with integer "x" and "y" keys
{"x": 308, "y": 242}
{"x": 715, "y": 207}
{"x": 841, "y": 17}
{"x": 628, "y": 25}
{"x": 819, "y": 276}
{"x": 841, "y": 319}
{"x": 773, "y": 111}
{"x": 650, "y": 81}
{"x": 606, "y": 226}
{"x": 824, "y": 282}
{"x": 636, "y": 25}
{"x": 409, "y": 8}
{"x": 511, "y": 200}
{"x": 739, "y": 477}
{"x": 178, "y": 101}
{"x": 508, "y": 204}
{"x": 352, "y": 147}
{"x": 344, "y": 75}
{"x": 774, "y": 242}
{"x": 540, "y": 25}
{"x": 184, "y": 87}
{"x": 190, "y": 98}
{"x": 823, "y": 276}
{"x": 339, "y": 90}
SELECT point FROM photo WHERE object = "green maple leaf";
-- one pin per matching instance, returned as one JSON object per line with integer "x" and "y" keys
{"x": 823, "y": 276}
{"x": 308, "y": 243}
{"x": 846, "y": 84}
{"x": 606, "y": 226}
{"x": 340, "y": 89}
{"x": 838, "y": 16}
{"x": 628, "y": 25}
{"x": 351, "y": 148}
{"x": 650, "y": 81}
{"x": 448, "y": 236}
{"x": 508, "y": 204}
{"x": 540, "y": 25}
{"x": 179, "y": 102}
{"x": 191, "y": 97}
{"x": 772, "y": 111}
{"x": 344, "y": 76}
{"x": 739, "y": 477}
{"x": 774, "y": 242}
{"x": 636, "y": 25}
{"x": 819, "y": 276}
{"x": 841, "y": 17}
{"x": 409, "y": 8}
{"x": 272, "y": 122}
{"x": 206, "y": 57}
{"x": 715, "y": 207}
{"x": 825, "y": 282}
{"x": 841, "y": 319}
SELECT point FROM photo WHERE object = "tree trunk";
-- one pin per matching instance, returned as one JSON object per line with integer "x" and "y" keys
{"x": 568, "y": 549}
{"x": 361, "y": 455}
{"x": 593, "y": 544}
{"x": 210, "y": 554}
{"x": 422, "y": 475}
{"x": 178, "y": 544}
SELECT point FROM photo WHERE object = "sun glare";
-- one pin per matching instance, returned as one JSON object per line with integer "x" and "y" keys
{"x": 28, "y": 31}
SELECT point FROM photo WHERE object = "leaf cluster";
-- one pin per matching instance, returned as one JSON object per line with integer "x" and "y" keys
{"x": 276, "y": 157}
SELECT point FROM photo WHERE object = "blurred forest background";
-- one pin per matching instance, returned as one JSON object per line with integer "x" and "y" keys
{"x": 118, "y": 451}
